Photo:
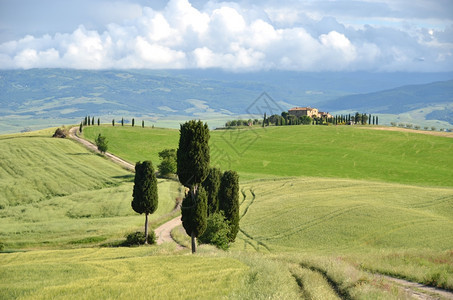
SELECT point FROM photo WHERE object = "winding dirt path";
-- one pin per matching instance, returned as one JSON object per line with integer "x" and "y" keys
{"x": 163, "y": 232}
{"x": 418, "y": 290}
{"x": 73, "y": 135}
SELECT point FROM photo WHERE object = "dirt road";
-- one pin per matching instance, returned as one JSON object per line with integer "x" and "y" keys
{"x": 162, "y": 232}
{"x": 419, "y": 291}
{"x": 73, "y": 135}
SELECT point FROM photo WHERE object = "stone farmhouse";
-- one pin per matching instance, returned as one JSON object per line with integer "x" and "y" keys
{"x": 308, "y": 111}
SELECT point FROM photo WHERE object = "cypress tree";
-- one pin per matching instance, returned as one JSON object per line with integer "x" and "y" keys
{"x": 143, "y": 124}
{"x": 92, "y": 121}
{"x": 85, "y": 122}
{"x": 89, "y": 120}
{"x": 192, "y": 169}
{"x": 133, "y": 122}
{"x": 377, "y": 120}
{"x": 113, "y": 122}
{"x": 122, "y": 121}
{"x": 194, "y": 215}
{"x": 99, "y": 121}
{"x": 229, "y": 201}
{"x": 145, "y": 196}
{"x": 80, "y": 127}
{"x": 211, "y": 185}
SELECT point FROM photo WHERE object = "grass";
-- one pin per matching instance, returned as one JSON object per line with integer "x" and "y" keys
{"x": 402, "y": 230}
{"x": 122, "y": 273}
{"x": 135, "y": 143}
{"x": 325, "y": 208}
{"x": 315, "y": 151}
{"x": 55, "y": 193}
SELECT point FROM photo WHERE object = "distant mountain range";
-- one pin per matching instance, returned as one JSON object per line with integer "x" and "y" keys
{"x": 38, "y": 98}
{"x": 397, "y": 100}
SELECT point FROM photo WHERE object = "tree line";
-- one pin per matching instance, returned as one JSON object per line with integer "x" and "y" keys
{"x": 90, "y": 121}
{"x": 287, "y": 119}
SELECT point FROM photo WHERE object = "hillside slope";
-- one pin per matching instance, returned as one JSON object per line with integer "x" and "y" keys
{"x": 398, "y": 100}
{"x": 317, "y": 151}
{"x": 53, "y": 192}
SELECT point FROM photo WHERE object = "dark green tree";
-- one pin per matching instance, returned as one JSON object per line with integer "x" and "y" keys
{"x": 85, "y": 122}
{"x": 192, "y": 169}
{"x": 99, "y": 121}
{"x": 377, "y": 120}
{"x": 122, "y": 121}
{"x": 211, "y": 184}
{"x": 113, "y": 122}
{"x": 80, "y": 127}
{"x": 229, "y": 201}
{"x": 145, "y": 197}
{"x": 194, "y": 215}
{"x": 143, "y": 124}
{"x": 101, "y": 142}
{"x": 168, "y": 163}
{"x": 133, "y": 122}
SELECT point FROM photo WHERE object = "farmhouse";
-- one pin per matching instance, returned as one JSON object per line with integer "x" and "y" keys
{"x": 308, "y": 111}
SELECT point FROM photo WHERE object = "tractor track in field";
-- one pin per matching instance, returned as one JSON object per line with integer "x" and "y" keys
{"x": 163, "y": 232}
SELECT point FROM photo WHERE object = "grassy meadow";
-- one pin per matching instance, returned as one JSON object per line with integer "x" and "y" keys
{"x": 314, "y": 151}
{"x": 53, "y": 192}
{"x": 322, "y": 210}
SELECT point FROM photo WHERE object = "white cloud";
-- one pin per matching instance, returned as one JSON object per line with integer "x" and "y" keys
{"x": 291, "y": 35}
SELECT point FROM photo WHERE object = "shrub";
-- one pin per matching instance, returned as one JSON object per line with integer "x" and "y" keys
{"x": 60, "y": 133}
{"x": 216, "y": 232}
{"x": 138, "y": 238}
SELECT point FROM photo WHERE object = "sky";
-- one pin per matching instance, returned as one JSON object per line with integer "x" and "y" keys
{"x": 238, "y": 36}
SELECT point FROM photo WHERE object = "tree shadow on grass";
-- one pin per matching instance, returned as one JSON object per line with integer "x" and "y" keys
{"x": 127, "y": 178}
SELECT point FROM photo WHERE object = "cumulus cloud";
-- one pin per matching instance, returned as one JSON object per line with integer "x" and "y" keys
{"x": 242, "y": 37}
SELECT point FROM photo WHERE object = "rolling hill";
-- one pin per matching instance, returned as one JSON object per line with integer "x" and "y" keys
{"x": 402, "y": 99}
{"x": 39, "y": 98}
{"x": 321, "y": 206}
{"x": 314, "y": 151}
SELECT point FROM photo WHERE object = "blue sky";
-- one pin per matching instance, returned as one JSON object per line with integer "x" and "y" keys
{"x": 334, "y": 35}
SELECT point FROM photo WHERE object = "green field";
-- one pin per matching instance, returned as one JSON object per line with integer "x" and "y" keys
{"x": 122, "y": 273}
{"x": 324, "y": 208}
{"x": 53, "y": 192}
{"x": 314, "y": 151}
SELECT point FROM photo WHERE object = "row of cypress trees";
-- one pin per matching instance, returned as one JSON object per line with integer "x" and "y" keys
{"x": 193, "y": 170}
{"x": 209, "y": 191}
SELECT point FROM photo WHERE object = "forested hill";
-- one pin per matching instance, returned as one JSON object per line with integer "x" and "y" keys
{"x": 397, "y": 100}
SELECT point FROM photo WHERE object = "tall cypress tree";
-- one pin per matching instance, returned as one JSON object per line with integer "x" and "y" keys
{"x": 143, "y": 124}
{"x": 145, "y": 197}
{"x": 229, "y": 201}
{"x": 192, "y": 169}
{"x": 133, "y": 122}
{"x": 122, "y": 121}
{"x": 193, "y": 214}
{"x": 92, "y": 121}
{"x": 211, "y": 184}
